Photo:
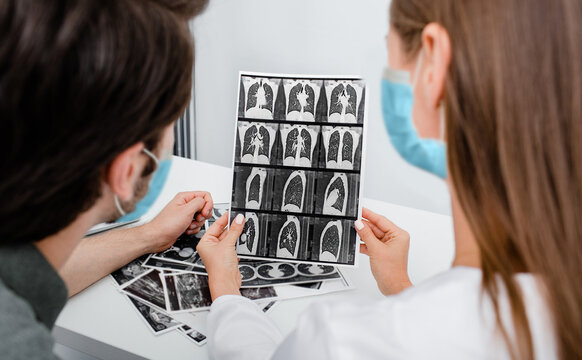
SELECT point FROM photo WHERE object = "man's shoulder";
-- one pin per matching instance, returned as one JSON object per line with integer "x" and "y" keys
{"x": 22, "y": 336}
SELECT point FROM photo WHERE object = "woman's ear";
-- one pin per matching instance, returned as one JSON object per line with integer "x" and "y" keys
{"x": 123, "y": 171}
{"x": 436, "y": 52}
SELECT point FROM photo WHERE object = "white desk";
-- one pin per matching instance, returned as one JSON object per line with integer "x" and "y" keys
{"x": 100, "y": 321}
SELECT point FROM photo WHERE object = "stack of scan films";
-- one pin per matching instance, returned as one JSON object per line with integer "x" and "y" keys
{"x": 162, "y": 298}
{"x": 169, "y": 290}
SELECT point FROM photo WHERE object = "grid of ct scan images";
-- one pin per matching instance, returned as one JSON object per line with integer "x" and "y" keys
{"x": 297, "y": 167}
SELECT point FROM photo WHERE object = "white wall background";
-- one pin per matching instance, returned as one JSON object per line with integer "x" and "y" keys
{"x": 304, "y": 37}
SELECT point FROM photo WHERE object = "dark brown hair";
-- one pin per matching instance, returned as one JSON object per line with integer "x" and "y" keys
{"x": 81, "y": 81}
{"x": 513, "y": 101}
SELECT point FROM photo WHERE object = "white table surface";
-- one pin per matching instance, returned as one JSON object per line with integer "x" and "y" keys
{"x": 101, "y": 322}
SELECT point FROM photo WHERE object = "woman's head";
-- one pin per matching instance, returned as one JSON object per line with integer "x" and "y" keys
{"x": 404, "y": 44}
{"x": 512, "y": 94}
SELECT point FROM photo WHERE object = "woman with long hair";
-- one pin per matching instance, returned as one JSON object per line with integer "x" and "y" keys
{"x": 502, "y": 81}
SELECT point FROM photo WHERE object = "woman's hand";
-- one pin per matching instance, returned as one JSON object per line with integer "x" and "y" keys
{"x": 218, "y": 253}
{"x": 186, "y": 212}
{"x": 387, "y": 246}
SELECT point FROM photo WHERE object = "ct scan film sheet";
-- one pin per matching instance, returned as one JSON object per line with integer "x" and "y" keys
{"x": 298, "y": 156}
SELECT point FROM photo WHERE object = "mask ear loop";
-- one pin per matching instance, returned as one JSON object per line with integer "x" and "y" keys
{"x": 118, "y": 205}
{"x": 441, "y": 106}
{"x": 151, "y": 155}
{"x": 417, "y": 69}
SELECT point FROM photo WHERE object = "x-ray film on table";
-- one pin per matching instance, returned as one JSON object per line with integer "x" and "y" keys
{"x": 297, "y": 174}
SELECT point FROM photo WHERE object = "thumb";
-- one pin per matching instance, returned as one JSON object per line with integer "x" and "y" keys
{"x": 367, "y": 235}
{"x": 236, "y": 228}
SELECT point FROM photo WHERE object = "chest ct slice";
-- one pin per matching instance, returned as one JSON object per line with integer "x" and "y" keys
{"x": 294, "y": 192}
{"x": 330, "y": 242}
{"x": 343, "y": 98}
{"x": 336, "y": 195}
{"x": 248, "y": 241}
{"x": 260, "y": 97}
{"x": 301, "y": 98}
{"x": 288, "y": 238}
{"x": 340, "y": 145}
{"x": 254, "y": 187}
{"x": 298, "y": 145}
{"x": 256, "y": 142}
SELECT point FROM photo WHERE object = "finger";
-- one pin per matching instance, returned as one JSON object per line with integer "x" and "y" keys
{"x": 185, "y": 197}
{"x": 193, "y": 232}
{"x": 364, "y": 249}
{"x": 199, "y": 217}
{"x": 225, "y": 234}
{"x": 209, "y": 203}
{"x": 218, "y": 227}
{"x": 380, "y": 221}
{"x": 207, "y": 210}
{"x": 236, "y": 228}
{"x": 194, "y": 205}
{"x": 367, "y": 235}
{"x": 379, "y": 233}
{"x": 196, "y": 224}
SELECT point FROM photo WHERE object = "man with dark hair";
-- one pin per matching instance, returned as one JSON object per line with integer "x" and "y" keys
{"x": 89, "y": 94}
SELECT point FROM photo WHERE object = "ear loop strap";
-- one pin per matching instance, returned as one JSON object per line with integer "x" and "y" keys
{"x": 118, "y": 205}
{"x": 441, "y": 106}
{"x": 151, "y": 155}
{"x": 417, "y": 70}
{"x": 414, "y": 80}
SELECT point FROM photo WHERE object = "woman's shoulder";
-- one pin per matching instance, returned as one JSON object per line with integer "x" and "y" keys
{"x": 457, "y": 288}
{"x": 457, "y": 285}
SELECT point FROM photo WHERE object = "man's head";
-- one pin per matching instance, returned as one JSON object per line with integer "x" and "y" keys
{"x": 85, "y": 86}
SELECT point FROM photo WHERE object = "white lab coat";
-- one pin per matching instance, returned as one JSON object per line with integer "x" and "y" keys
{"x": 446, "y": 317}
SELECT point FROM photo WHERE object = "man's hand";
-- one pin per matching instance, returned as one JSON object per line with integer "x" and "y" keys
{"x": 186, "y": 212}
{"x": 387, "y": 246}
{"x": 218, "y": 253}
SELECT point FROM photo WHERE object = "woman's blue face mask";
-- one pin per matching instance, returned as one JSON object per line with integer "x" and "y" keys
{"x": 397, "y": 102}
{"x": 155, "y": 188}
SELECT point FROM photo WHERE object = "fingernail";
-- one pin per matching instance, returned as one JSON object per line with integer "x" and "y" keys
{"x": 239, "y": 219}
{"x": 359, "y": 225}
{"x": 209, "y": 212}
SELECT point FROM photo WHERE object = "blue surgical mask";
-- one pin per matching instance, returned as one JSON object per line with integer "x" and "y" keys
{"x": 155, "y": 188}
{"x": 397, "y": 101}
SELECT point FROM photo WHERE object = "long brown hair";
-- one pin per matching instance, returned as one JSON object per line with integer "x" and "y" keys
{"x": 513, "y": 104}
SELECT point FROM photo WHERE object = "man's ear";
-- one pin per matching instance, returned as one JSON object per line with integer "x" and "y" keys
{"x": 436, "y": 52}
{"x": 123, "y": 171}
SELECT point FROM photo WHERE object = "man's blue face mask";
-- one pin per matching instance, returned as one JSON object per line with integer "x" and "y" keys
{"x": 397, "y": 101}
{"x": 155, "y": 188}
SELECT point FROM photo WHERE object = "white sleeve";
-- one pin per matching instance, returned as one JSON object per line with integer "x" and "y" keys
{"x": 312, "y": 338}
{"x": 344, "y": 331}
{"x": 238, "y": 329}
